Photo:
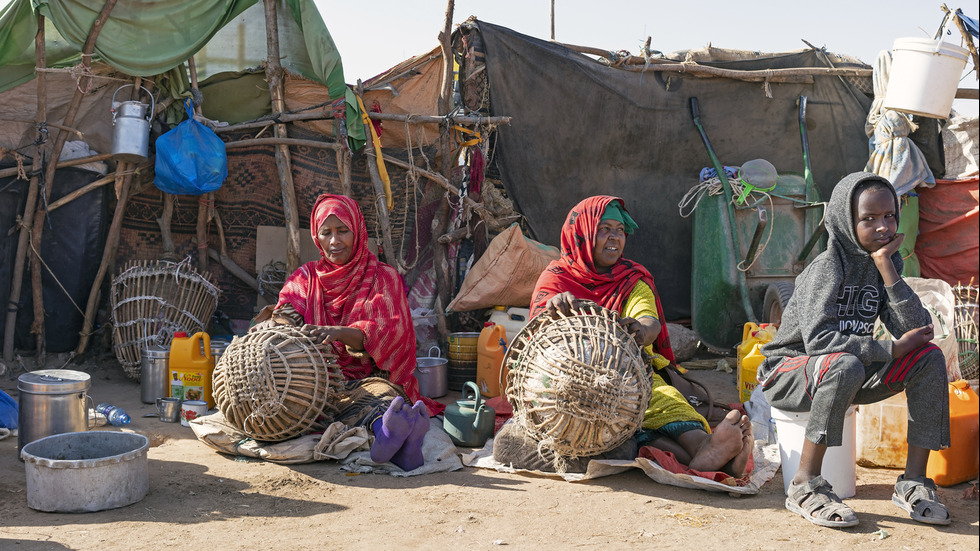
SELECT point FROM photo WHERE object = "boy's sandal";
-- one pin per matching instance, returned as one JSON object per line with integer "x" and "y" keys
{"x": 816, "y": 501}
{"x": 919, "y": 498}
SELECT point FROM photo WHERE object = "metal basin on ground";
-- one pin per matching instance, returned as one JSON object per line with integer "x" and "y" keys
{"x": 81, "y": 472}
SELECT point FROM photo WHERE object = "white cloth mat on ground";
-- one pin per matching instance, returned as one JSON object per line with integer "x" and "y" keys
{"x": 765, "y": 456}
{"x": 349, "y": 445}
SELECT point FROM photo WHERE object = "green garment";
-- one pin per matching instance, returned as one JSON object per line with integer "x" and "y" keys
{"x": 909, "y": 225}
{"x": 614, "y": 211}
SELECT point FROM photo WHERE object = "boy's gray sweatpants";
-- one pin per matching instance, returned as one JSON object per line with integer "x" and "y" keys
{"x": 827, "y": 385}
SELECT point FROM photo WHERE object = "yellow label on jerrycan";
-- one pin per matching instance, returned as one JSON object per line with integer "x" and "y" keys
{"x": 749, "y": 356}
{"x": 191, "y": 367}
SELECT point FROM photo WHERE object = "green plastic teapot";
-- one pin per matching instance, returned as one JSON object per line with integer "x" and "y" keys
{"x": 469, "y": 422}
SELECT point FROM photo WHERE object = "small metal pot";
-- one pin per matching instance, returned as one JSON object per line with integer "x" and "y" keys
{"x": 430, "y": 371}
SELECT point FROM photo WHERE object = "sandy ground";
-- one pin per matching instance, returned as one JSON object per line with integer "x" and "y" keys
{"x": 200, "y": 499}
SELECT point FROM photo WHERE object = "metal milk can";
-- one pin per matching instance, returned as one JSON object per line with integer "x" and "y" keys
{"x": 131, "y": 127}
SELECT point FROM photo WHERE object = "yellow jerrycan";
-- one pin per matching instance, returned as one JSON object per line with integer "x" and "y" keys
{"x": 191, "y": 367}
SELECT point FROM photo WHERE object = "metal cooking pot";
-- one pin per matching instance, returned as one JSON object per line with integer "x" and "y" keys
{"x": 431, "y": 373}
{"x": 52, "y": 401}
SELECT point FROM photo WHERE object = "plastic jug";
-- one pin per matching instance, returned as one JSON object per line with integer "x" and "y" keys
{"x": 512, "y": 319}
{"x": 882, "y": 433}
{"x": 749, "y": 356}
{"x": 490, "y": 350}
{"x": 191, "y": 367}
{"x": 961, "y": 460}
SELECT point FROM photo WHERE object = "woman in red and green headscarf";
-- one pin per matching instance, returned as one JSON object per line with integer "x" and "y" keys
{"x": 592, "y": 267}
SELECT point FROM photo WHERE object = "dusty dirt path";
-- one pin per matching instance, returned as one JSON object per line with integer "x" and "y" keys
{"x": 200, "y": 499}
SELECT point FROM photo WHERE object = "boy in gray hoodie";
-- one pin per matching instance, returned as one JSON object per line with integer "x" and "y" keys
{"x": 824, "y": 357}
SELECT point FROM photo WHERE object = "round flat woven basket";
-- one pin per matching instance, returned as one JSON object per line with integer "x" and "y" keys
{"x": 276, "y": 383}
{"x": 578, "y": 383}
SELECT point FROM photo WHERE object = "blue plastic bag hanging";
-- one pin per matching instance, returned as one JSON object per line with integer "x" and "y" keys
{"x": 190, "y": 158}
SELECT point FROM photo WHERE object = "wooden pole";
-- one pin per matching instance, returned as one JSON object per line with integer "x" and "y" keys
{"x": 37, "y": 231}
{"x": 966, "y": 38}
{"x": 233, "y": 268}
{"x": 441, "y": 221}
{"x": 967, "y": 93}
{"x": 32, "y": 193}
{"x": 205, "y": 202}
{"x": 343, "y": 165}
{"x": 273, "y": 74}
{"x": 123, "y": 178}
{"x": 380, "y": 199}
{"x": 203, "y": 206}
{"x": 282, "y": 141}
{"x": 63, "y": 164}
{"x": 454, "y": 119}
{"x": 798, "y": 74}
{"x": 166, "y": 237}
{"x": 269, "y": 121}
{"x": 81, "y": 191}
{"x": 552, "y": 19}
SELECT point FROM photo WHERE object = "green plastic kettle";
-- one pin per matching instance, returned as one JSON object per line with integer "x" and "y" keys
{"x": 469, "y": 422}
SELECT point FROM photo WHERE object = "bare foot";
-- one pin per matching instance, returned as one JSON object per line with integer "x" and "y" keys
{"x": 409, "y": 456}
{"x": 391, "y": 430}
{"x": 736, "y": 467}
{"x": 724, "y": 444}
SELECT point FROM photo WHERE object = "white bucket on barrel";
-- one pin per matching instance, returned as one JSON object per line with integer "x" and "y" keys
{"x": 838, "y": 463}
{"x": 924, "y": 76}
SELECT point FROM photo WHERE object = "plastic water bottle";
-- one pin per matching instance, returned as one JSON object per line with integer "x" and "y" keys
{"x": 116, "y": 416}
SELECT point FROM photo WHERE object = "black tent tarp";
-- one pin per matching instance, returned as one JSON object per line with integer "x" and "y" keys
{"x": 582, "y": 128}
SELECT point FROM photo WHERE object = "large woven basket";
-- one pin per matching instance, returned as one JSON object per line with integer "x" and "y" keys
{"x": 276, "y": 383}
{"x": 153, "y": 299}
{"x": 578, "y": 383}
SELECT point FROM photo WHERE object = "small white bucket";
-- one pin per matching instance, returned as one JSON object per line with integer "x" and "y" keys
{"x": 924, "y": 76}
{"x": 838, "y": 463}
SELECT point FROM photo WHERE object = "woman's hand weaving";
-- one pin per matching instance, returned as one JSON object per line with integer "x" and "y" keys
{"x": 644, "y": 330}
{"x": 351, "y": 337}
{"x": 561, "y": 303}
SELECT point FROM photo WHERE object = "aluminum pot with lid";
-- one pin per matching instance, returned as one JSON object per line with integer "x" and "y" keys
{"x": 52, "y": 401}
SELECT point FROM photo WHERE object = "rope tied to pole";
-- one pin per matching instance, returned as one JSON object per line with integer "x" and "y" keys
{"x": 83, "y": 71}
{"x": 765, "y": 84}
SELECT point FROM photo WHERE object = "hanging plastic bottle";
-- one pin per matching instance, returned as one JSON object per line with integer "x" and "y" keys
{"x": 115, "y": 415}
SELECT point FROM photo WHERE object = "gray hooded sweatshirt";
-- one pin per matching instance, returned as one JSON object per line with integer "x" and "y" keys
{"x": 840, "y": 294}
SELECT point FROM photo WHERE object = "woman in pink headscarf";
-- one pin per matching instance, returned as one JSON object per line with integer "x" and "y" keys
{"x": 359, "y": 305}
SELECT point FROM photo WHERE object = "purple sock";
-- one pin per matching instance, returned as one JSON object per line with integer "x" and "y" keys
{"x": 391, "y": 430}
{"x": 409, "y": 456}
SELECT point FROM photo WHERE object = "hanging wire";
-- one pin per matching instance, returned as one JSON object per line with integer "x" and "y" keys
{"x": 713, "y": 186}
{"x": 53, "y": 276}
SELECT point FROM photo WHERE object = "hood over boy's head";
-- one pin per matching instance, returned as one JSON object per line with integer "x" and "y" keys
{"x": 841, "y": 210}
